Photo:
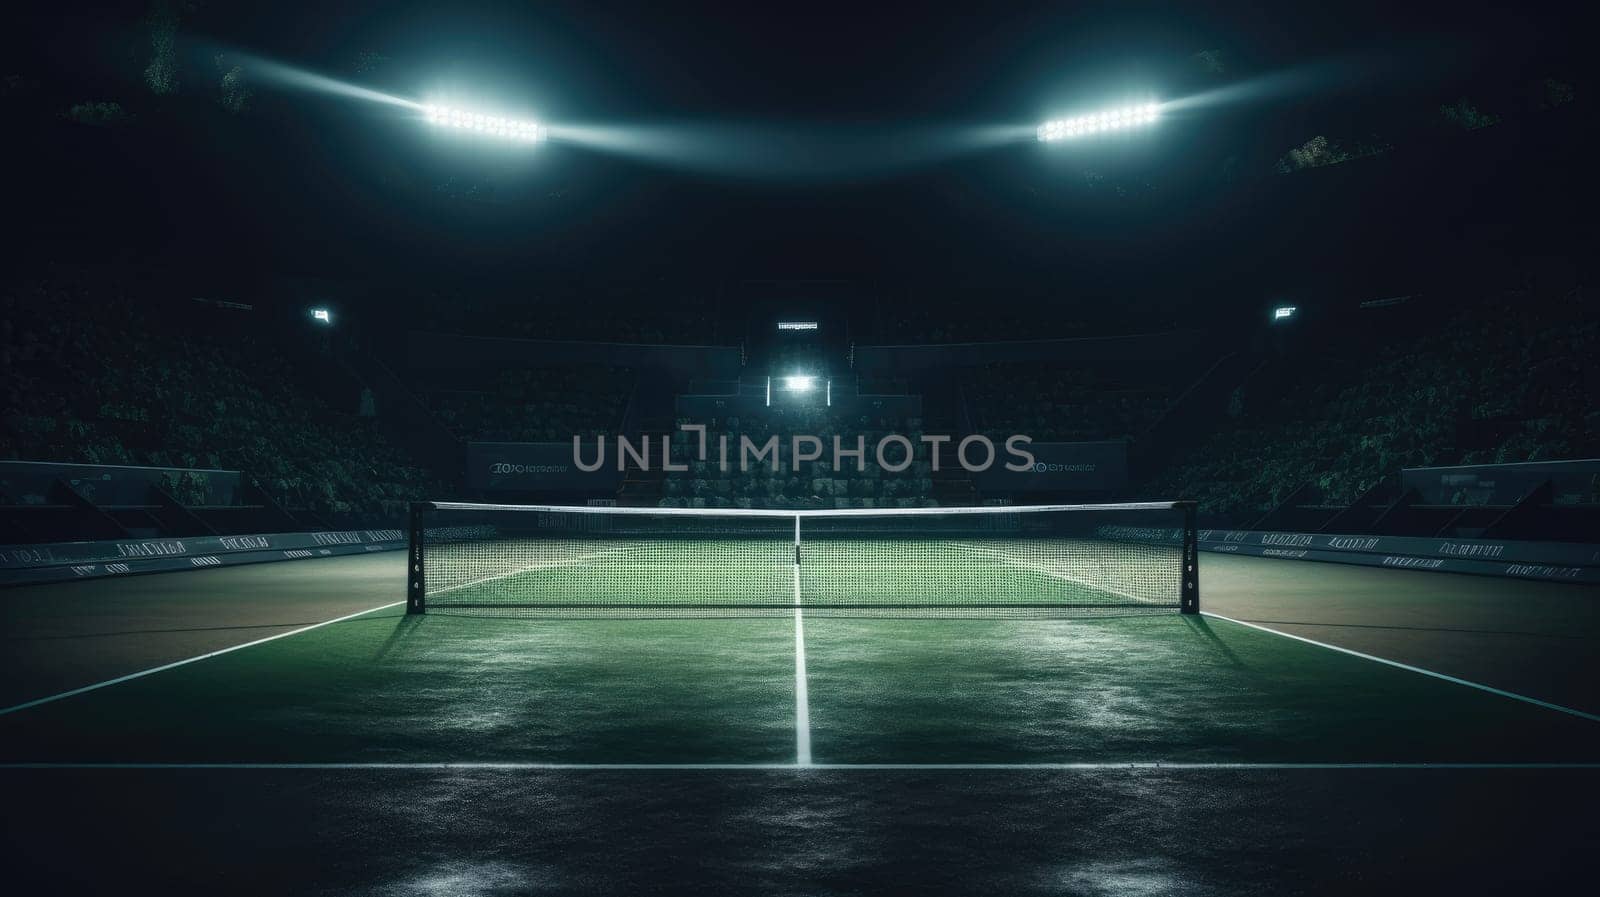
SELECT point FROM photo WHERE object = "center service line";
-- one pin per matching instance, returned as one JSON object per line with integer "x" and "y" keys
{"x": 802, "y": 701}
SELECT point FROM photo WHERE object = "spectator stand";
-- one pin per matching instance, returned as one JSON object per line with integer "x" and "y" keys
{"x": 1319, "y": 431}
{"x": 113, "y": 369}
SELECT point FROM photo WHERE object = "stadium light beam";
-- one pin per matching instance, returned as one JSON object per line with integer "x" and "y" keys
{"x": 1093, "y": 123}
{"x": 524, "y": 130}
{"x": 280, "y": 75}
{"x": 268, "y": 72}
{"x": 799, "y": 383}
{"x": 322, "y": 316}
{"x": 1283, "y": 313}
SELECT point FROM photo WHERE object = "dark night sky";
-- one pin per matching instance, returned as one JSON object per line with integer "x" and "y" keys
{"x": 328, "y": 186}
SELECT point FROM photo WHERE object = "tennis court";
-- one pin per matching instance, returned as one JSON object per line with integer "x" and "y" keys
{"x": 387, "y": 687}
{"x": 482, "y": 750}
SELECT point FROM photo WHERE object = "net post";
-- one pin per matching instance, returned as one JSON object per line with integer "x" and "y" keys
{"x": 416, "y": 585}
{"x": 1189, "y": 597}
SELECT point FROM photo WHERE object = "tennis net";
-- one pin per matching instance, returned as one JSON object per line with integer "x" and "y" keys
{"x": 1032, "y": 561}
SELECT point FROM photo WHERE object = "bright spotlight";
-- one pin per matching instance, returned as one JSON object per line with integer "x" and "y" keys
{"x": 1283, "y": 312}
{"x": 1094, "y": 123}
{"x": 799, "y": 384}
{"x": 322, "y": 315}
{"x": 492, "y": 125}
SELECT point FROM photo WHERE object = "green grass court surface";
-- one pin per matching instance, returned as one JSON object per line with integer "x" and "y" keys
{"x": 387, "y": 688}
{"x": 1143, "y": 753}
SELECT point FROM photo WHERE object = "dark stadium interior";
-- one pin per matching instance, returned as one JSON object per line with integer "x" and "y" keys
{"x": 379, "y": 467}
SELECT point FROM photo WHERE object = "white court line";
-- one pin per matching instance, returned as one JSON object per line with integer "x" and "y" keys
{"x": 577, "y": 560}
{"x": 802, "y": 700}
{"x": 1408, "y": 667}
{"x": 167, "y": 666}
{"x": 1058, "y": 574}
{"x": 1091, "y": 766}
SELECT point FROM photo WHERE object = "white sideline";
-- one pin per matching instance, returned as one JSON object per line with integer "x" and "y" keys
{"x": 1040, "y": 568}
{"x": 167, "y": 666}
{"x": 1408, "y": 667}
{"x": 576, "y": 560}
{"x": 1088, "y": 766}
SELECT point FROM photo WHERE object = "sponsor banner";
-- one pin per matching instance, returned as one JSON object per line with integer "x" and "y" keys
{"x": 1569, "y": 554}
{"x": 1573, "y": 482}
{"x": 1059, "y": 467}
{"x": 58, "y": 554}
{"x": 539, "y": 467}
{"x": 1561, "y": 561}
{"x": 1557, "y": 572}
{"x": 167, "y": 564}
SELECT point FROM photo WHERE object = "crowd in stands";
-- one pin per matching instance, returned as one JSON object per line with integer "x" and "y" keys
{"x": 92, "y": 373}
{"x": 815, "y": 484}
{"x": 1057, "y": 403}
{"x": 1506, "y": 378}
{"x": 95, "y": 371}
{"x": 537, "y": 404}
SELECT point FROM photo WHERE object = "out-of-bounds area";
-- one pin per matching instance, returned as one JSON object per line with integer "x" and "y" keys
{"x": 1363, "y": 728}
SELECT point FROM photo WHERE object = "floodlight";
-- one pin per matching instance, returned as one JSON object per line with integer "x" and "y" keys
{"x": 1283, "y": 312}
{"x": 492, "y": 125}
{"x": 322, "y": 314}
{"x": 799, "y": 384}
{"x": 1095, "y": 122}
